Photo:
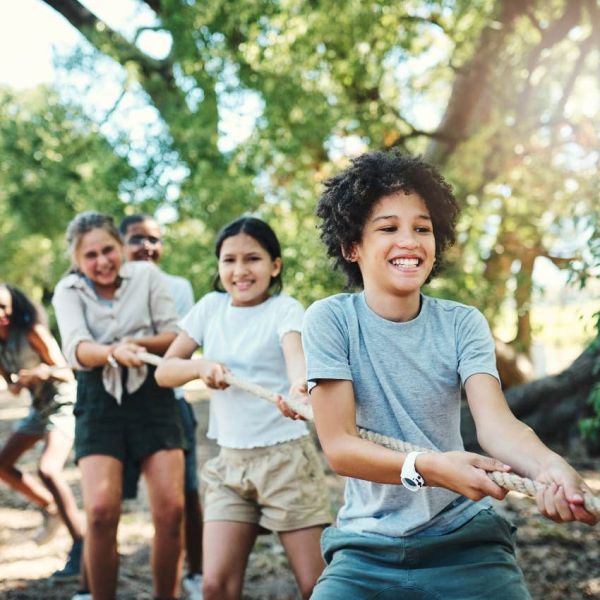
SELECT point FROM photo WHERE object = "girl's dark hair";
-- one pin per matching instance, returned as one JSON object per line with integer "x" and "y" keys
{"x": 24, "y": 312}
{"x": 349, "y": 197}
{"x": 263, "y": 234}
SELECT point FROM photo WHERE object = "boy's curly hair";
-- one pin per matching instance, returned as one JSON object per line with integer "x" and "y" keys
{"x": 349, "y": 197}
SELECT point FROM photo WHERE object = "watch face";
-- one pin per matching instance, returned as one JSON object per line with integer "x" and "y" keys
{"x": 413, "y": 484}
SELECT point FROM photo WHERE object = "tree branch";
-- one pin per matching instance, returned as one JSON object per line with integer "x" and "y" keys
{"x": 594, "y": 13}
{"x": 155, "y": 76}
{"x": 472, "y": 81}
{"x": 102, "y": 37}
{"x": 399, "y": 139}
{"x": 550, "y": 36}
{"x": 584, "y": 49}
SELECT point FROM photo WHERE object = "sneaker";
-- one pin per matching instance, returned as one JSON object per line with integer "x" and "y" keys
{"x": 82, "y": 595}
{"x": 50, "y": 525}
{"x": 71, "y": 570}
{"x": 192, "y": 587}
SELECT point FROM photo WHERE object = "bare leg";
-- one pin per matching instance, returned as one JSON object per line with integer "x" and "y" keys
{"x": 193, "y": 532}
{"x": 51, "y": 465}
{"x": 304, "y": 553}
{"x": 163, "y": 471}
{"x": 29, "y": 486}
{"x": 101, "y": 480}
{"x": 227, "y": 546}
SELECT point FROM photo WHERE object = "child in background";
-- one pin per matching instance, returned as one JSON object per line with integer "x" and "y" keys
{"x": 267, "y": 475}
{"x": 142, "y": 241}
{"x": 108, "y": 311}
{"x": 28, "y": 351}
{"x": 392, "y": 360}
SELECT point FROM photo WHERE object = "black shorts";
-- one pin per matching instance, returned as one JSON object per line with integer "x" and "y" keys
{"x": 146, "y": 421}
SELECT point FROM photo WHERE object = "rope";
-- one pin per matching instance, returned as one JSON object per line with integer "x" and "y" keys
{"x": 508, "y": 481}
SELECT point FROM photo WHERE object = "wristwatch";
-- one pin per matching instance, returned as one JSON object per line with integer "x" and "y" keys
{"x": 411, "y": 478}
{"x": 112, "y": 361}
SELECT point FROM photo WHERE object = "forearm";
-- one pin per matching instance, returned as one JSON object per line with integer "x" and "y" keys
{"x": 500, "y": 433}
{"x": 296, "y": 373}
{"x": 517, "y": 445}
{"x": 175, "y": 372}
{"x": 294, "y": 357}
{"x": 60, "y": 370}
{"x": 156, "y": 344}
{"x": 351, "y": 456}
{"x": 92, "y": 354}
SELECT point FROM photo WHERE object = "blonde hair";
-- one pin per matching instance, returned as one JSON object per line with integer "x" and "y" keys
{"x": 84, "y": 223}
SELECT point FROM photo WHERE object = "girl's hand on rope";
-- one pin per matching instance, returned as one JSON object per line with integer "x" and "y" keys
{"x": 299, "y": 394}
{"x": 39, "y": 374}
{"x": 212, "y": 373}
{"x": 562, "y": 498}
{"x": 462, "y": 472}
{"x": 14, "y": 388}
{"x": 125, "y": 353}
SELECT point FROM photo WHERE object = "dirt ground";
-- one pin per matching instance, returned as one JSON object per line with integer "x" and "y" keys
{"x": 560, "y": 562}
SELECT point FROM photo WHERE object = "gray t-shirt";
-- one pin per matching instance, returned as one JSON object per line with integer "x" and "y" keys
{"x": 183, "y": 296}
{"x": 407, "y": 379}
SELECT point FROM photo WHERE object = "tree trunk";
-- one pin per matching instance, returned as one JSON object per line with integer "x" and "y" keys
{"x": 552, "y": 406}
{"x": 472, "y": 81}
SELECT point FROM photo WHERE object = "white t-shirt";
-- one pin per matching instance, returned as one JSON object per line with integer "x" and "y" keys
{"x": 181, "y": 291}
{"x": 248, "y": 341}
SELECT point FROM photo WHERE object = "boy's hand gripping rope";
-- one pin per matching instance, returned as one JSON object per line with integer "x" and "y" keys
{"x": 508, "y": 481}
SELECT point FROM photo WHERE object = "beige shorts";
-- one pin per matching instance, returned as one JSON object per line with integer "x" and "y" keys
{"x": 280, "y": 487}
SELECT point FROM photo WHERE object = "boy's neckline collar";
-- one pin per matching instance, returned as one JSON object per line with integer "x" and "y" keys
{"x": 422, "y": 300}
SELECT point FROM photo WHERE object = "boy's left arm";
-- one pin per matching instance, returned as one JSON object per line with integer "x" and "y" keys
{"x": 506, "y": 438}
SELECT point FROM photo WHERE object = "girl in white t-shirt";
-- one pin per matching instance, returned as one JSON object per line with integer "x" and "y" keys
{"x": 267, "y": 475}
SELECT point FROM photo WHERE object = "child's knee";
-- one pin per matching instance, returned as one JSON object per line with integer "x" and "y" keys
{"x": 48, "y": 471}
{"x": 102, "y": 515}
{"x": 168, "y": 515}
{"x": 213, "y": 588}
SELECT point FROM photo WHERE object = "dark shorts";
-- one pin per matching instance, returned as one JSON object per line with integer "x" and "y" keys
{"x": 132, "y": 470}
{"x": 475, "y": 562}
{"x": 145, "y": 422}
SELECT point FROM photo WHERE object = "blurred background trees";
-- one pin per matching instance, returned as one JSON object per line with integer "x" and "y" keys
{"x": 254, "y": 103}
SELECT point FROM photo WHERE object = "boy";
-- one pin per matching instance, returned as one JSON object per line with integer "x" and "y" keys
{"x": 142, "y": 241}
{"x": 392, "y": 360}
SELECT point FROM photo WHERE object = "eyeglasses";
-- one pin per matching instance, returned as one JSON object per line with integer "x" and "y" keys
{"x": 138, "y": 240}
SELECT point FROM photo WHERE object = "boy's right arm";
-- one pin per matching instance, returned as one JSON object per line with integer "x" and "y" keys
{"x": 351, "y": 456}
{"x": 179, "y": 368}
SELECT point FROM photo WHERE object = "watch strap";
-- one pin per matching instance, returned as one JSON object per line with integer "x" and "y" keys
{"x": 409, "y": 476}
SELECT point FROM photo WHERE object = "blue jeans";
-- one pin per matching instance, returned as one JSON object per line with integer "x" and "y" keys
{"x": 188, "y": 421}
{"x": 474, "y": 562}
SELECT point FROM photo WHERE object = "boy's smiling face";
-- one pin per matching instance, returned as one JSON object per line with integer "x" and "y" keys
{"x": 397, "y": 249}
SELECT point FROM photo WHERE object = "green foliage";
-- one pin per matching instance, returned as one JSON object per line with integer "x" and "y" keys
{"x": 327, "y": 84}
{"x": 188, "y": 251}
{"x": 53, "y": 164}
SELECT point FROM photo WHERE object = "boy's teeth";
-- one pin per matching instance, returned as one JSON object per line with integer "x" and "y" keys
{"x": 405, "y": 262}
